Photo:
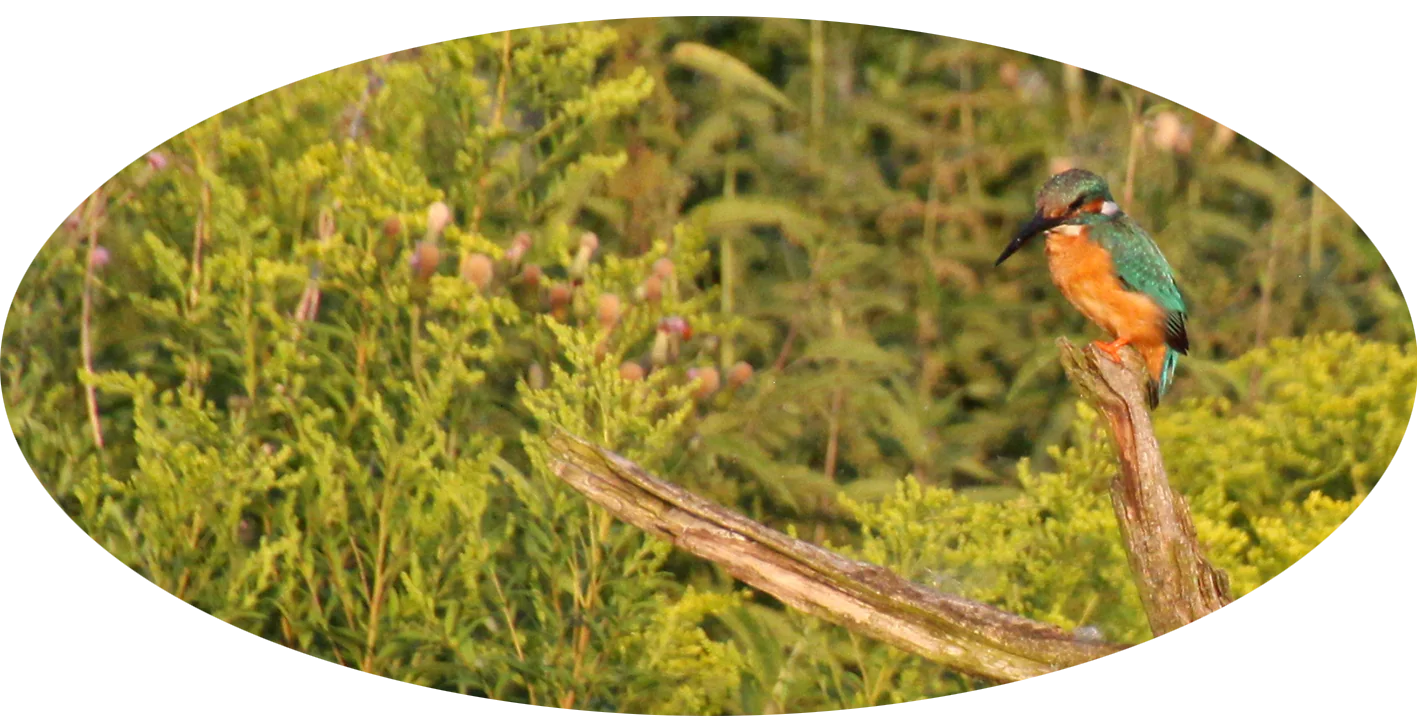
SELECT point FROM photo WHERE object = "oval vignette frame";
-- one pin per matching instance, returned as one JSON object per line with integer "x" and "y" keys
{"x": 1404, "y": 283}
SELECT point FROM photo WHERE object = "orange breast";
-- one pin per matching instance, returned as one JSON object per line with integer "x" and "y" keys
{"x": 1083, "y": 271}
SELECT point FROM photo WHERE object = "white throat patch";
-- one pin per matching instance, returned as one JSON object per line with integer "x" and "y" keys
{"x": 1110, "y": 209}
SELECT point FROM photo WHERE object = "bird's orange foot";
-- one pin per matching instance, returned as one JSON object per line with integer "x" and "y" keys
{"x": 1114, "y": 349}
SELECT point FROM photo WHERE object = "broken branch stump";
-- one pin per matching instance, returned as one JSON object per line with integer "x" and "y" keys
{"x": 1177, "y": 584}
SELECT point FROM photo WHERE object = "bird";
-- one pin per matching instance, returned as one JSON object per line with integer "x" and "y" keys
{"x": 1111, "y": 271}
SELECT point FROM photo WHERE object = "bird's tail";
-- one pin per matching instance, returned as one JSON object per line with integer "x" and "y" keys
{"x": 1158, "y": 387}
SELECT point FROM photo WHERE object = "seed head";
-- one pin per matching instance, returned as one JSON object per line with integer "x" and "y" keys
{"x": 631, "y": 371}
{"x": 608, "y": 310}
{"x": 560, "y": 295}
{"x": 1008, "y": 73}
{"x": 740, "y": 374}
{"x": 653, "y": 289}
{"x": 477, "y": 270}
{"x": 392, "y": 227}
{"x": 1170, "y": 133}
{"x": 438, "y": 216}
{"x": 589, "y": 244}
{"x": 708, "y": 381}
{"x": 99, "y": 257}
{"x": 519, "y": 247}
{"x": 157, "y": 161}
{"x": 664, "y": 268}
{"x": 677, "y": 326}
{"x": 531, "y": 276}
{"x": 424, "y": 260}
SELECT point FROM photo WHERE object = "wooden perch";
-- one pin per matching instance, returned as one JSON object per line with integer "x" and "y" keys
{"x": 964, "y": 635}
{"x": 1177, "y": 584}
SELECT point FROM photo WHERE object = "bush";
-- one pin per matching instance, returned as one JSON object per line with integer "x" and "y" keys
{"x": 1266, "y": 482}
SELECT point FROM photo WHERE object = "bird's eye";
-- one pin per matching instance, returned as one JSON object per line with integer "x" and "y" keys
{"x": 1076, "y": 204}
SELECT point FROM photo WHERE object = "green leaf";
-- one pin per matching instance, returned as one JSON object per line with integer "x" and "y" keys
{"x": 728, "y": 70}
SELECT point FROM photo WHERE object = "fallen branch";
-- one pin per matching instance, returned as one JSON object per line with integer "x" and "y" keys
{"x": 1177, "y": 584}
{"x": 964, "y": 635}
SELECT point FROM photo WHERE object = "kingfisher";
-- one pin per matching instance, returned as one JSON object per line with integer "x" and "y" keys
{"x": 1111, "y": 271}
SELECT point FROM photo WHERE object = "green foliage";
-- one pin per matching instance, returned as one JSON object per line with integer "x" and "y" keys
{"x": 1266, "y": 482}
{"x": 330, "y": 326}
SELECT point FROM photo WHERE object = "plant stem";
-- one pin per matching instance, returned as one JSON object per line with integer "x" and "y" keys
{"x": 376, "y": 600}
{"x": 91, "y": 215}
{"x": 497, "y": 114}
{"x": 818, "y": 53}
{"x": 201, "y": 235}
{"x": 502, "y": 79}
{"x": 511, "y": 627}
{"x": 1316, "y": 213}
{"x": 1266, "y": 298}
{"x": 1072, "y": 82}
{"x": 968, "y": 135}
{"x": 727, "y": 266}
{"x": 1133, "y": 152}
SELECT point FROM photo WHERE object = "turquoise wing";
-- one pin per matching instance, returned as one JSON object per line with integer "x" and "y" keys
{"x": 1142, "y": 268}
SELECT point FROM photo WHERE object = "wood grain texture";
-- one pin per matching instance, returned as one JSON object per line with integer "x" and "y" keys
{"x": 1177, "y": 584}
{"x": 961, "y": 634}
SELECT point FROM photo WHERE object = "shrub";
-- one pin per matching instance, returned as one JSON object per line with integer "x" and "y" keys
{"x": 1266, "y": 481}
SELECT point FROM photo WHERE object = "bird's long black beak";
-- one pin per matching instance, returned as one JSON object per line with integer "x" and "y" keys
{"x": 1030, "y": 230}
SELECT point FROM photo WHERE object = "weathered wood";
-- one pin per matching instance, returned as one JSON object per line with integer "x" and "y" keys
{"x": 1178, "y": 585}
{"x": 964, "y": 635}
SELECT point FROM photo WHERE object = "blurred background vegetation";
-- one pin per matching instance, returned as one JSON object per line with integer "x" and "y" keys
{"x": 293, "y": 365}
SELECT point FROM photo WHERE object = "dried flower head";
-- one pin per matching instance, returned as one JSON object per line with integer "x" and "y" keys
{"x": 99, "y": 257}
{"x": 652, "y": 290}
{"x": 632, "y": 371}
{"x": 708, "y": 380}
{"x": 740, "y": 374}
{"x": 392, "y": 227}
{"x": 477, "y": 270}
{"x": 519, "y": 247}
{"x": 560, "y": 295}
{"x": 424, "y": 260}
{"x": 1170, "y": 133}
{"x": 438, "y": 217}
{"x": 664, "y": 268}
{"x": 677, "y": 326}
{"x": 531, "y": 276}
{"x": 589, "y": 244}
{"x": 1008, "y": 73}
{"x": 157, "y": 161}
{"x": 608, "y": 310}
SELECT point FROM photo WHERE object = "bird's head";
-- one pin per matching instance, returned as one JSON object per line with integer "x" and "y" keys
{"x": 1075, "y": 197}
